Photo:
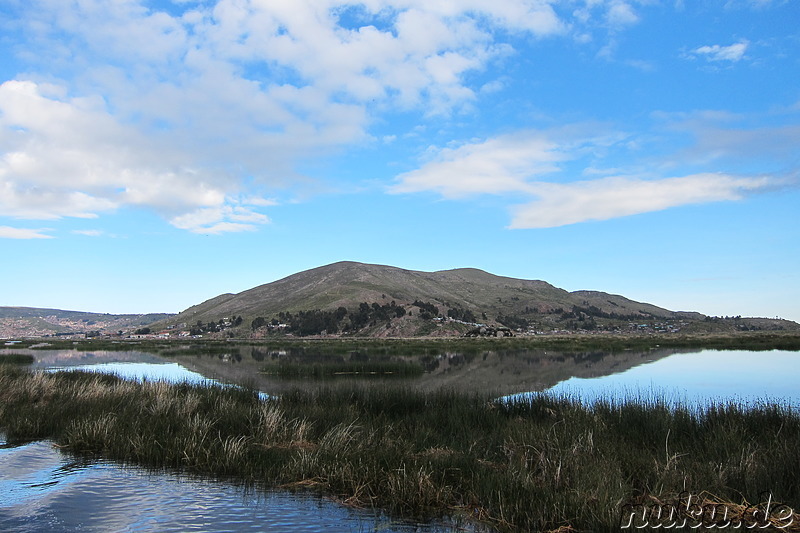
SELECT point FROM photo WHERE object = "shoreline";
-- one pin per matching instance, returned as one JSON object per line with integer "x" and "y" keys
{"x": 773, "y": 340}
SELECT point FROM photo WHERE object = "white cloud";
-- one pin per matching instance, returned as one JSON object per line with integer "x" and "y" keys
{"x": 175, "y": 112}
{"x": 496, "y": 166}
{"x": 539, "y": 167}
{"x": 67, "y": 157}
{"x": 354, "y": 52}
{"x": 259, "y": 201}
{"x": 613, "y": 197}
{"x": 221, "y": 219}
{"x": 187, "y": 113}
{"x": 614, "y": 15}
{"x": 7, "y": 232}
{"x": 507, "y": 164}
{"x": 734, "y": 52}
{"x": 621, "y": 14}
{"x": 600, "y": 22}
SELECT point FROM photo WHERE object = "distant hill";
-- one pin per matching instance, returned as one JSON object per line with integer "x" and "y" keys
{"x": 307, "y": 302}
{"x": 33, "y": 321}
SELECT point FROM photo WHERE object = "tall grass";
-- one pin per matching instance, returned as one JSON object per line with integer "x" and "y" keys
{"x": 537, "y": 464}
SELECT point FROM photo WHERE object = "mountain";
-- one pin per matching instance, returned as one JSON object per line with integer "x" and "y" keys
{"x": 375, "y": 300}
{"x": 34, "y": 321}
{"x": 488, "y": 298}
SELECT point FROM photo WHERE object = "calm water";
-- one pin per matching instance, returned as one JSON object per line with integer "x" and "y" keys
{"x": 700, "y": 378}
{"x": 130, "y": 365}
{"x": 171, "y": 372}
{"x": 45, "y": 490}
{"x": 697, "y": 377}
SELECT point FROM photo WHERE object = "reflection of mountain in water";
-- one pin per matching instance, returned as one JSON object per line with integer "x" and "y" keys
{"x": 491, "y": 372}
{"x": 67, "y": 358}
{"x": 488, "y": 372}
{"x": 508, "y": 373}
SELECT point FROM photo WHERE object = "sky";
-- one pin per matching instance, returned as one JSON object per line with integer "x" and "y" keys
{"x": 157, "y": 153}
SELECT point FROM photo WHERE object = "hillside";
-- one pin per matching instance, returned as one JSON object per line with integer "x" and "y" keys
{"x": 33, "y": 321}
{"x": 348, "y": 284}
{"x": 393, "y": 296}
{"x": 349, "y": 298}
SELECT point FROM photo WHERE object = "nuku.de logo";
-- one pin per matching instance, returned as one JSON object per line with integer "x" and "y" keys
{"x": 689, "y": 510}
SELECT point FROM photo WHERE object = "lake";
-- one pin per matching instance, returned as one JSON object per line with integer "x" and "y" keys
{"x": 45, "y": 489}
{"x": 697, "y": 379}
{"x": 691, "y": 376}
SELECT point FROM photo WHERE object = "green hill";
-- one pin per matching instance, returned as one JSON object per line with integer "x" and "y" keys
{"x": 381, "y": 301}
{"x": 488, "y": 298}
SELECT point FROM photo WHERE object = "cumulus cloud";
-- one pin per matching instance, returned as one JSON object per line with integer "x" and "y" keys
{"x": 495, "y": 166}
{"x": 733, "y": 53}
{"x": 406, "y": 51}
{"x": 613, "y": 197}
{"x": 68, "y": 157}
{"x": 175, "y": 111}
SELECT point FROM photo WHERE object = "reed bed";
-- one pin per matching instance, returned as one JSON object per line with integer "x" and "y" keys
{"x": 539, "y": 464}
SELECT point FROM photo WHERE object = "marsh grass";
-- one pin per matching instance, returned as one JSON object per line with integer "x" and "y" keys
{"x": 16, "y": 359}
{"x": 540, "y": 464}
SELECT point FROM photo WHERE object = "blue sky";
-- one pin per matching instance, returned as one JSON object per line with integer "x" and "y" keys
{"x": 154, "y": 154}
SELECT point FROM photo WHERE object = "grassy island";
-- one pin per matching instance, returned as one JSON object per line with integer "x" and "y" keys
{"x": 548, "y": 464}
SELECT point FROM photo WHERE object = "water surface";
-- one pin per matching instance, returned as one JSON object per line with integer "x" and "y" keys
{"x": 46, "y": 490}
{"x": 698, "y": 379}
